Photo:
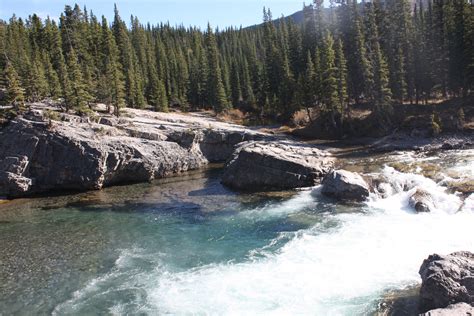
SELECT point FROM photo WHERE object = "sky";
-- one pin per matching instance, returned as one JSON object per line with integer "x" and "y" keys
{"x": 221, "y": 13}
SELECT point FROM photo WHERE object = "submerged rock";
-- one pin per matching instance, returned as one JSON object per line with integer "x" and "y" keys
{"x": 345, "y": 186}
{"x": 459, "y": 309}
{"x": 258, "y": 166}
{"x": 421, "y": 201}
{"x": 447, "y": 280}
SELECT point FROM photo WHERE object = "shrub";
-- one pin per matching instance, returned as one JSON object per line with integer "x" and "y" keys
{"x": 52, "y": 115}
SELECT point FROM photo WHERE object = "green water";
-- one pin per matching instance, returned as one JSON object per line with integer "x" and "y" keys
{"x": 188, "y": 245}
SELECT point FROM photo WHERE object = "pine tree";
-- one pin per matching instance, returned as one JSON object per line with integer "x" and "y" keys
{"x": 296, "y": 55}
{"x": 307, "y": 83}
{"x": 236, "y": 91}
{"x": 439, "y": 46}
{"x": 247, "y": 87}
{"x": 398, "y": 44}
{"x": 381, "y": 96}
{"x": 14, "y": 92}
{"x": 355, "y": 49}
{"x": 329, "y": 78}
{"x": 36, "y": 84}
{"x": 469, "y": 50}
{"x": 318, "y": 78}
{"x": 77, "y": 98}
{"x": 341, "y": 76}
{"x": 52, "y": 78}
{"x": 216, "y": 93}
{"x": 111, "y": 70}
{"x": 128, "y": 59}
{"x": 157, "y": 94}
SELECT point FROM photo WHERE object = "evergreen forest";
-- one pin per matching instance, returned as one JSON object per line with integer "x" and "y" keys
{"x": 379, "y": 53}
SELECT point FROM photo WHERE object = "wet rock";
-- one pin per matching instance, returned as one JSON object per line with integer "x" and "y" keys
{"x": 379, "y": 185}
{"x": 421, "y": 201}
{"x": 345, "y": 186}
{"x": 259, "y": 166}
{"x": 459, "y": 309}
{"x": 399, "y": 302}
{"x": 447, "y": 280}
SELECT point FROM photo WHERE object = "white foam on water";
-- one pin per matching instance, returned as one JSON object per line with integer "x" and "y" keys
{"x": 404, "y": 185}
{"x": 300, "y": 201}
{"x": 343, "y": 271}
{"x": 469, "y": 204}
{"x": 126, "y": 275}
{"x": 329, "y": 269}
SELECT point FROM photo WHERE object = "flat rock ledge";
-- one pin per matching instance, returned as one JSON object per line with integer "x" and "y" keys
{"x": 260, "y": 166}
{"x": 343, "y": 185}
{"x": 72, "y": 153}
{"x": 447, "y": 280}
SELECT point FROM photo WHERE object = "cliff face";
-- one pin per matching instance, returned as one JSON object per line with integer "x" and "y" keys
{"x": 71, "y": 153}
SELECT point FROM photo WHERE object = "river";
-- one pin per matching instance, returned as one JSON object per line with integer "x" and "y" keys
{"x": 188, "y": 245}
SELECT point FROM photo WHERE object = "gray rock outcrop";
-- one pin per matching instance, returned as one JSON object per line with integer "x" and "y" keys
{"x": 447, "y": 280}
{"x": 257, "y": 166}
{"x": 459, "y": 309}
{"x": 345, "y": 186}
{"x": 39, "y": 155}
{"x": 421, "y": 201}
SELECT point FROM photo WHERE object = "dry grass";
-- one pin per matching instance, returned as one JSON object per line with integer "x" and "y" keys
{"x": 300, "y": 118}
{"x": 232, "y": 116}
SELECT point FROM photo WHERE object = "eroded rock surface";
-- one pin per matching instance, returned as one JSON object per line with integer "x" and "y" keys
{"x": 345, "y": 186}
{"x": 447, "y": 280}
{"x": 38, "y": 154}
{"x": 257, "y": 166}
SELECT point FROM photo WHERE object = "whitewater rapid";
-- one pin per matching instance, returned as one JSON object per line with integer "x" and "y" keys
{"x": 341, "y": 265}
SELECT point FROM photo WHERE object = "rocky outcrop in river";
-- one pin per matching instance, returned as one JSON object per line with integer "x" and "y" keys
{"x": 447, "y": 280}
{"x": 38, "y": 154}
{"x": 421, "y": 201}
{"x": 345, "y": 186}
{"x": 257, "y": 166}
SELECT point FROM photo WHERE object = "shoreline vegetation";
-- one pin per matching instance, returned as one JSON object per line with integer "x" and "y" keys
{"x": 378, "y": 60}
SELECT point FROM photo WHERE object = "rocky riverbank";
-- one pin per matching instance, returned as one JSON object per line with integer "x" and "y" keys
{"x": 47, "y": 151}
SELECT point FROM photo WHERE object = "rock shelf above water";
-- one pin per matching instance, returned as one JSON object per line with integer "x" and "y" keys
{"x": 73, "y": 153}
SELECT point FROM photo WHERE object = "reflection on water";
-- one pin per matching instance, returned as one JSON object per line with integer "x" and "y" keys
{"x": 189, "y": 245}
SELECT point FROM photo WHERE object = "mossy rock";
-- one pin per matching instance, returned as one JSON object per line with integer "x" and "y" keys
{"x": 464, "y": 186}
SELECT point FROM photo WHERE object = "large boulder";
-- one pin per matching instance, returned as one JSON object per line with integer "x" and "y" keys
{"x": 459, "y": 309}
{"x": 258, "y": 166}
{"x": 421, "y": 201}
{"x": 345, "y": 186}
{"x": 447, "y": 280}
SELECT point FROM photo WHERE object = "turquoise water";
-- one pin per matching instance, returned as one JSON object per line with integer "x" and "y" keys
{"x": 188, "y": 245}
